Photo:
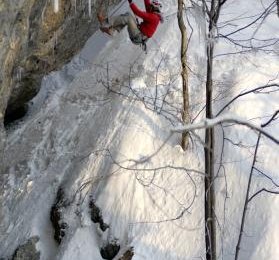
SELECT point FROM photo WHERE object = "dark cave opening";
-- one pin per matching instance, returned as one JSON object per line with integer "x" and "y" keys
{"x": 14, "y": 114}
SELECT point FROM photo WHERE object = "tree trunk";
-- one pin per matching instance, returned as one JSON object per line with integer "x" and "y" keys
{"x": 210, "y": 225}
{"x": 184, "y": 72}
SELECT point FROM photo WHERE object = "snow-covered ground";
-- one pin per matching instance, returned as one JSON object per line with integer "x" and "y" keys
{"x": 99, "y": 127}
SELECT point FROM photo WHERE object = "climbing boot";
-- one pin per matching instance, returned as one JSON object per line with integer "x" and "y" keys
{"x": 107, "y": 30}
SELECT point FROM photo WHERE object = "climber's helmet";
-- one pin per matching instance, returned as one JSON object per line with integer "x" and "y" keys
{"x": 156, "y": 6}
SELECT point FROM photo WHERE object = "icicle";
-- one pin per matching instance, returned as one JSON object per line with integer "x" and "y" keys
{"x": 89, "y": 8}
{"x": 19, "y": 73}
{"x": 75, "y": 4}
{"x": 56, "y": 6}
{"x": 42, "y": 15}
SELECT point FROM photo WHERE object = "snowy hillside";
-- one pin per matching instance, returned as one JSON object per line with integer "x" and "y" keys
{"x": 100, "y": 130}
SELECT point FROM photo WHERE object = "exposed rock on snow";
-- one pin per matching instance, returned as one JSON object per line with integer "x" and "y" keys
{"x": 56, "y": 216}
{"x": 96, "y": 215}
{"x": 128, "y": 255}
{"x": 110, "y": 250}
{"x": 27, "y": 251}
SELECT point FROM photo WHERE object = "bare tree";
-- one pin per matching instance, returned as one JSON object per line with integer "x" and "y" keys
{"x": 248, "y": 198}
{"x": 184, "y": 72}
{"x": 213, "y": 13}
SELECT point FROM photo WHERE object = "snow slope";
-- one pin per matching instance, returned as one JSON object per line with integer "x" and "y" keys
{"x": 99, "y": 127}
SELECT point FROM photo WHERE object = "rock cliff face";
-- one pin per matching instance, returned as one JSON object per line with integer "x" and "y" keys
{"x": 37, "y": 37}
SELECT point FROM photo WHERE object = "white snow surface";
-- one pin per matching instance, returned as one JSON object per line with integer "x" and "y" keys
{"x": 98, "y": 128}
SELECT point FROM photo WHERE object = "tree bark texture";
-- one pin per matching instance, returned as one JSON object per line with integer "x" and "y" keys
{"x": 210, "y": 220}
{"x": 184, "y": 72}
{"x": 210, "y": 225}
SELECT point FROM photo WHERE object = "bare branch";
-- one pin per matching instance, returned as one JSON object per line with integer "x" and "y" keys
{"x": 209, "y": 123}
{"x": 267, "y": 10}
{"x": 260, "y": 191}
{"x": 271, "y": 119}
{"x": 246, "y": 200}
{"x": 261, "y": 172}
{"x": 206, "y": 7}
{"x": 255, "y": 90}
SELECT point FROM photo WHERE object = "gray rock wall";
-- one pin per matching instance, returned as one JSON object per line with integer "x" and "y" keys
{"x": 34, "y": 40}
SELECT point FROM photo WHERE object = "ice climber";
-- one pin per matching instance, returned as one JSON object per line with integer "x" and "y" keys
{"x": 139, "y": 33}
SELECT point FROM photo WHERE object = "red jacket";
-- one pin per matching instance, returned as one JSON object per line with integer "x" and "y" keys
{"x": 150, "y": 20}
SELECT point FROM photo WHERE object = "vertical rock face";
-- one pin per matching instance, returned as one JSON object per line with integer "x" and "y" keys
{"x": 36, "y": 38}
